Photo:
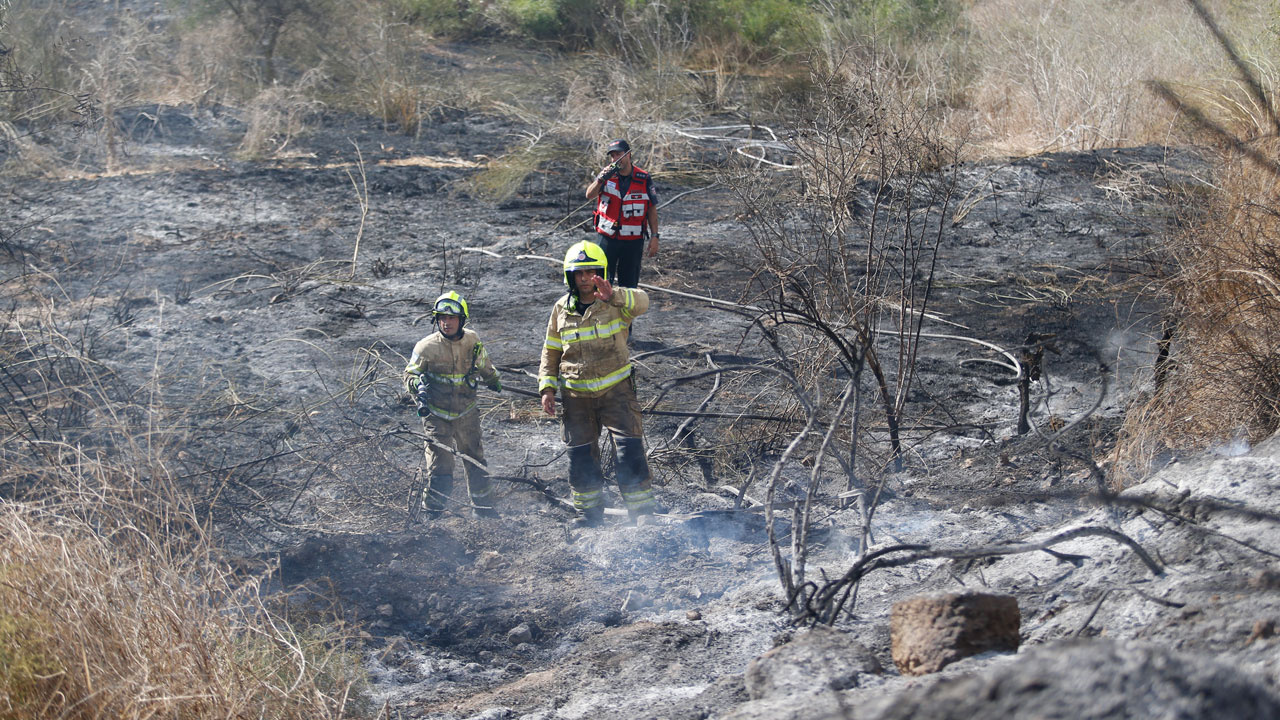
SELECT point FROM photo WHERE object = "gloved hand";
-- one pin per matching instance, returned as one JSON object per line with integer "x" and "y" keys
{"x": 495, "y": 385}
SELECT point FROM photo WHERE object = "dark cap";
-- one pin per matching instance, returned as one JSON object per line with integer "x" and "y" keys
{"x": 620, "y": 145}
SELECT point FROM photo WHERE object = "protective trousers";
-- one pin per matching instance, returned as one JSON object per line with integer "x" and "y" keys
{"x": 624, "y": 258}
{"x": 463, "y": 435}
{"x": 618, "y": 412}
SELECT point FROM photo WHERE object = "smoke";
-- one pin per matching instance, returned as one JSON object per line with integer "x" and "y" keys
{"x": 1235, "y": 447}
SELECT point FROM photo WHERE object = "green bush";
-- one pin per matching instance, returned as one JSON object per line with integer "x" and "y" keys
{"x": 910, "y": 18}
{"x": 536, "y": 18}
{"x": 755, "y": 25}
{"x": 761, "y": 24}
{"x": 449, "y": 18}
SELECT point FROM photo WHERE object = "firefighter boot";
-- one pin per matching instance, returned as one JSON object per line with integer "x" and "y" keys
{"x": 587, "y": 484}
{"x": 438, "y": 489}
{"x": 481, "y": 490}
{"x": 633, "y": 481}
{"x": 588, "y": 517}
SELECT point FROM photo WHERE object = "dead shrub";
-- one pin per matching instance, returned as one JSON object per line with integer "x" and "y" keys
{"x": 1217, "y": 374}
{"x": 120, "y": 625}
{"x": 1222, "y": 377}
{"x": 278, "y": 114}
{"x": 125, "y": 71}
{"x": 842, "y": 256}
{"x": 210, "y": 66}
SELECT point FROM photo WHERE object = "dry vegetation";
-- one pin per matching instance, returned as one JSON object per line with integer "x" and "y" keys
{"x": 114, "y": 601}
{"x": 113, "y": 616}
{"x": 1220, "y": 380}
{"x": 1217, "y": 378}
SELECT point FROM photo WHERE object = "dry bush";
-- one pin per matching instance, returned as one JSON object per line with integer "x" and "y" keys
{"x": 125, "y": 70}
{"x": 39, "y": 86}
{"x": 1222, "y": 379}
{"x": 116, "y": 622}
{"x": 393, "y": 83}
{"x": 842, "y": 262}
{"x": 1217, "y": 374}
{"x": 278, "y": 114}
{"x": 844, "y": 251}
{"x": 1070, "y": 75}
{"x": 209, "y": 63}
{"x": 44, "y": 44}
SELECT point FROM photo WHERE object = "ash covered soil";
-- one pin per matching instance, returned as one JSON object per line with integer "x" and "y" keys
{"x": 230, "y": 287}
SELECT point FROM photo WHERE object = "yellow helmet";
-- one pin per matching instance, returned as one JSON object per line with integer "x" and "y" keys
{"x": 451, "y": 303}
{"x": 583, "y": 256}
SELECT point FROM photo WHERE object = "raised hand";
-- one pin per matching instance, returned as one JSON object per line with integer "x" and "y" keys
{"x": 604, "y": 290}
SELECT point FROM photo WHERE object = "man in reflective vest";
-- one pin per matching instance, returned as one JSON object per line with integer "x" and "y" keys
{"x": 585, "y": 357}
{"x": 442, "y": 374}
{"x": 627, "y": 211}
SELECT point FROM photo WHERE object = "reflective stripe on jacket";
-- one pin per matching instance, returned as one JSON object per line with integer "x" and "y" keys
{"x": 623, "y": 216}
{"x": 444, "y": 364}
{"x": 585, "y": 353}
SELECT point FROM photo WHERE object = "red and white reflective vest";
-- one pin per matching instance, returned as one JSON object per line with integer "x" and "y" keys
{"x": 623, "y": 217}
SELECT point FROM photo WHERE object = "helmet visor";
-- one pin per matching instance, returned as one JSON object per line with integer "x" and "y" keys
{"x": 449, "y": 307}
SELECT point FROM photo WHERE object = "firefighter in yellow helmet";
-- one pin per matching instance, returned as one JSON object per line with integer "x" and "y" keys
{"x": 442, "y": 375}
{"x": 585, "y": 357}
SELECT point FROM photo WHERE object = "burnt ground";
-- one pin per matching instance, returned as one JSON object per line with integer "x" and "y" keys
{"x": 228, "y": 286}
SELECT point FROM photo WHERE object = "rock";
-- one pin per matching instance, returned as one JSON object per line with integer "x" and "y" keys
{"x": 929, "y": 632}
{"x": 692, "y": 615}
{"x": 521, "y": 633}
{"x": 819, "y": 659}
{"x": 502, "y": 713}
{"x": 490, "y": 560}
{"x": 1267, "y": 579}
{"x": 1262, "y": 630}
{"x": 385, "y": 610}
{"x": 1088, "y": 680}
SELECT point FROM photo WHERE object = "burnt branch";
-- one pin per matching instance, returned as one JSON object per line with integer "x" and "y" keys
{"x": 825, "y": 603}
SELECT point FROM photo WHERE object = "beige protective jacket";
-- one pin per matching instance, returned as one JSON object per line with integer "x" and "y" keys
{"x": 585, "y": 352}
{"x": 451, "y": 368}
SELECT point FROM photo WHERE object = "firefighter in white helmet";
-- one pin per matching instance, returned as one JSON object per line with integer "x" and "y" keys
{"x": 442, "y": 375}
{"x": 585, "y": 357}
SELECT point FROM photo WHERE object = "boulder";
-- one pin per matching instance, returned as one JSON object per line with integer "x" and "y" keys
{"x": 929, "y": 632}
{"x": 1088, "y": 680}
{"x": 520, "y": 634}
{"x": 820, "y": 659}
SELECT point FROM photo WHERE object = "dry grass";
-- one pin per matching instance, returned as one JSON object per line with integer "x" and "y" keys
{"x": 1223, "y": 380}
{"x": 1023, "y": 77}
{"x": 1009, "y": 76}
{"x": 114, "y": 601}
{"x": 277, "y": 115}
{"x": 124, "y": 624}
